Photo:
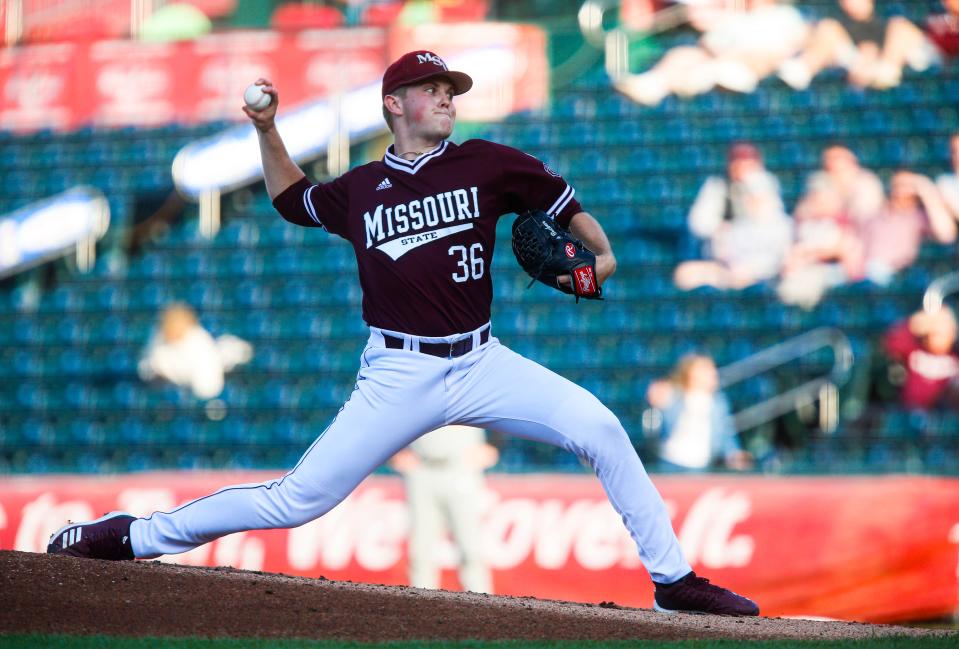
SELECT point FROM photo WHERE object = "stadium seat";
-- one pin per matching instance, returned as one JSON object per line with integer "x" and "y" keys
{"x": 68, "y": 361}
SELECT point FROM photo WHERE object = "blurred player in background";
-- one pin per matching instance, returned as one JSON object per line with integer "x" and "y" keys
{"x": 443, "y": 473}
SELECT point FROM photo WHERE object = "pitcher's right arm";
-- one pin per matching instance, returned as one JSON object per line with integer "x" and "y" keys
{"x": 279, "y": 170}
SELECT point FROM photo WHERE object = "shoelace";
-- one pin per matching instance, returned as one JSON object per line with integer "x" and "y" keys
{"x": 713, "y": 590}
{"x": 700, "y": 588}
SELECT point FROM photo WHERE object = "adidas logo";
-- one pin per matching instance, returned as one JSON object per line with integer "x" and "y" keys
{"x": 71, "y": 537}
{"x": 385, "y": 184}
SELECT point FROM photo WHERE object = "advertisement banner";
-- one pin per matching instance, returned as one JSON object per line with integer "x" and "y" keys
{"x": 134, "y": 83}
{"x": 130, "y": 83}
{"x": 508, "y": 63}
{"x": 876, "y": 549}
{"x": 44, "y": 86}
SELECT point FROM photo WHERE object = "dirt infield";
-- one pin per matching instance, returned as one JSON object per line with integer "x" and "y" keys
{"x": 55, "y": 594}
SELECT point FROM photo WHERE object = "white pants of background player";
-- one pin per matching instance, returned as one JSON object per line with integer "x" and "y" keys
{"x": 440, "y": 495}
{"x": 401, "y": 394}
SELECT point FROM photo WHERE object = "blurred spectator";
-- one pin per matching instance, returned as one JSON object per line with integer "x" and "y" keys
{"x": 925, "y": 346}
{"x": 697, "y": 427}
{"x": 183, "y": 352}
{"x": 443, "y": 472}
{"x": 737, "y": 49}
{"x": 858, "y": 191}
{"x": 943, "y": 29}
{"x": 872, "y": 49}
{"x": 913, "y": 212}
{"x": 839, "y": 200}
{"x": 948, "y": 183}
{"x": 743, "y": 220}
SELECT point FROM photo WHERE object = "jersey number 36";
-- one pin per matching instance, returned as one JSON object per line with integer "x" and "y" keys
{"x": 470, "y": 263}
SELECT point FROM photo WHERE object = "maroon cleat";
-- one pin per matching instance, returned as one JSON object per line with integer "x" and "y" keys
{"x": 693, "y": 594}
{"x": 108, "y": 537}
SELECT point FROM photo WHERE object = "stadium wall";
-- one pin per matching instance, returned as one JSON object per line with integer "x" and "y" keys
{"x": 877, "y": 549}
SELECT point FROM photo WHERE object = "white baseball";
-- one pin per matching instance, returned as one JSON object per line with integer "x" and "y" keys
{"x": 255, "y": 98}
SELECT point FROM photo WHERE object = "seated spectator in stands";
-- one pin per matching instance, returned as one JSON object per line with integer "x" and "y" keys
{"x": 925, "y": 346}
{"x": 858, "y": 190}
{"x": 182, "y": 352}
{"x": 839, "y": 200}
{"x": 737, "y": 49}
{"x": 913, "y": 212}
{"x": 943, "y": 29}
{"x": 872, "y": 49}
{"x": 697, "y": 428}
{"x": 744, "y": 222}
{"x": 948, "y": 183}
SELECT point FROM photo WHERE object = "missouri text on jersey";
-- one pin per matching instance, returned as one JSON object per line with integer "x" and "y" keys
{"x": 402, "y": 225}
{"x": 424, "y": 230}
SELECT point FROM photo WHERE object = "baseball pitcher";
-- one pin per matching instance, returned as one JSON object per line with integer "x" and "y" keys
{"x": 422, "y": 223}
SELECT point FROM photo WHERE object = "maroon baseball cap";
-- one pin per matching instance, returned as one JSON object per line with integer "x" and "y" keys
{"x": 421, "y": 65}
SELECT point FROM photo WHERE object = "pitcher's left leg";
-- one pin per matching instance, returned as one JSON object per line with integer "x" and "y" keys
{"x": 506, "y": 392}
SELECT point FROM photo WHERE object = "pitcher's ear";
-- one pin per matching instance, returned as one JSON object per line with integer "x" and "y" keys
{"x": 393, "y": 105}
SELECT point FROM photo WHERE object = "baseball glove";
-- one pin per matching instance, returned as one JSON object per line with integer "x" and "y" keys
{"x": 546, "y": 251}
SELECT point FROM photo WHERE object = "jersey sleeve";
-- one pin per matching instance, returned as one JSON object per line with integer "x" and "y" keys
{"x": 322, "y": 205}
{"x": 530, "y": 184}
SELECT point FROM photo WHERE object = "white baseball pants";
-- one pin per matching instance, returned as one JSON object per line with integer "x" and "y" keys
{"x": 401, "y": 394}
{"x": 440, "y": 498}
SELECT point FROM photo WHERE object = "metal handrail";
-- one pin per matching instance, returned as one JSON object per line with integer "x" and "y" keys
{"x": 938, "y": 289}
{"x": 822, "y": 387}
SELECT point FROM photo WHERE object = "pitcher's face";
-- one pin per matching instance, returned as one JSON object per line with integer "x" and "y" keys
{"x": 429, "y": 109}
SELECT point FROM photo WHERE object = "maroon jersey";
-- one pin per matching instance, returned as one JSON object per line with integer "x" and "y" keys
{"x": 423, "y": 231}
{"x": 943, "y": 30}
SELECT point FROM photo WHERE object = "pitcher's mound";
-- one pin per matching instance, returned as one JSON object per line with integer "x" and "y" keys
{"x": 57, "y": 594}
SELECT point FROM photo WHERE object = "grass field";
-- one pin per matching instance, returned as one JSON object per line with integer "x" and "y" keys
{"x": 104, "y": 642}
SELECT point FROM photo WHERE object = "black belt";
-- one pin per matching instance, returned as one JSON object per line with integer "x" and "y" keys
{"x": 443, "y": 350}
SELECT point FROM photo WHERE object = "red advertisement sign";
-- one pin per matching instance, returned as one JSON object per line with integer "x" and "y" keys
{"x": 875, "y": 549}
{"x": 42, "y": 87}
{"x": 121, "y": 83}
{"x": 221, "y": 66}
{"x": 132, "y": 83}
{"x": 507, "y": 62}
